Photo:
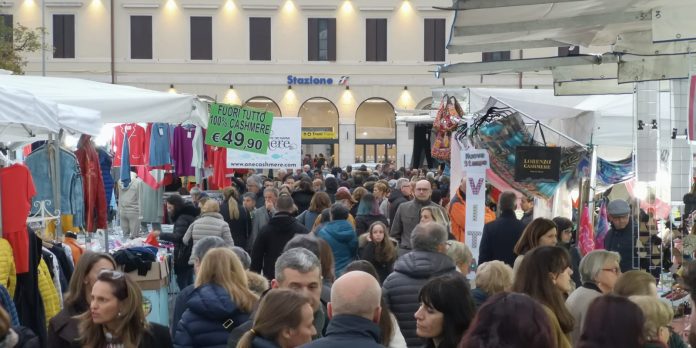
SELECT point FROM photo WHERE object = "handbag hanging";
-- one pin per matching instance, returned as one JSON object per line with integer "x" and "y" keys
{"x": 448, "y": 116}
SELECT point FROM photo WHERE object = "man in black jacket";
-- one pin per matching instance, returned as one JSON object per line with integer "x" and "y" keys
{"x": 354, "y": 311}
{"x": 272, "y": 238}
{"x": 412, "y": 271}
{"x": 501, "y": 235}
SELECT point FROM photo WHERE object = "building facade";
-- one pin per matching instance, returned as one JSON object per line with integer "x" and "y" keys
{"x": 345, "y": 67}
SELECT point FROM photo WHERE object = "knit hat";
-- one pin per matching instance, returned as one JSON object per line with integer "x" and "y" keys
{"x": 343, "y": 193}
{"x": 392, "y": 184}
{"x": 618, "y": 207}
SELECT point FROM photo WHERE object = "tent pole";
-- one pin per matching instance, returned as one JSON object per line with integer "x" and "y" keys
{"x": 56, "y": 184}
{"x": 543, "y": 125}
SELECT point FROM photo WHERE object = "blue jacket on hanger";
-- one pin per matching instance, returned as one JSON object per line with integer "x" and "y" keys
{"x": 41, "y": 163}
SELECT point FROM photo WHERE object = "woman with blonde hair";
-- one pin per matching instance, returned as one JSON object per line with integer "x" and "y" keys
{"x": 221, "y": 301}
{"x": 116, "y": 317}
{"x": 237, "y": 217}
{"x": 210, "y": 223}
{"x": 658, "y": 316}
{"x": 431, "y": 214}
{"x": 460, "y": 255}
{"x": 492, "y": 277}
{"x": 284, "y": 319}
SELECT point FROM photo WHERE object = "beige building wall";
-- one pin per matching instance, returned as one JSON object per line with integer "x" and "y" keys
{"x": 171, "y": 63}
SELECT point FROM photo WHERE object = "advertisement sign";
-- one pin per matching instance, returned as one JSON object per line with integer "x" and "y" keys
{"x": 537, "y": 163}
{"x": 318, "y": 133}
{"x": 284, "y": 148}
{"x": 239, "y": 128}
{"x": 475, "y": 162}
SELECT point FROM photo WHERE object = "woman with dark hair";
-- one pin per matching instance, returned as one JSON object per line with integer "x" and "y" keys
{"x": 446, "y": 310}
{"x": 62, "y": 329}
{"x": 331, "y": 184}
{"x": 388, "y": 326}
{"x": 612, "y": 322}
{"x": 540, "y": 232}
{"x": 302, "y": 196}
{"x": 565, "y": 235}
{"x": 368, "y": 213}
{"x": 181, "y": 214}
{"x": 378, "y": 249}
{"x": 236, "y": 216}
{"x": 319, "y": 202}
{"x": 544, "y": 274}
{"x": 509, "y": 320}
{"x": 116, "y": 317}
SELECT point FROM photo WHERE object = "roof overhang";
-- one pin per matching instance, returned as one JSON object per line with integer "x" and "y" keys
{"x": 649, "y": 39}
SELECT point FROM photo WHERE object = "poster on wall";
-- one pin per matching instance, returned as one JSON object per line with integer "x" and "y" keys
{"x": 475, "y": 162}
{"x": 537, "y": 163}
{"x": 239, "y": 128}
{"x": 284, "y": 148}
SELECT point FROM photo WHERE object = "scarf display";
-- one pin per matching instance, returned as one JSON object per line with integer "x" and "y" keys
{"x": 500, "y": 131}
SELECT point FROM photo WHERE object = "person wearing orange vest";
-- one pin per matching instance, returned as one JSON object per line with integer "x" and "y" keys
{"x": 457, "y": 212}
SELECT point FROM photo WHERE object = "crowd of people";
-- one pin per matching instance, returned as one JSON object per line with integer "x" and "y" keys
{"x": 370, "y": 259}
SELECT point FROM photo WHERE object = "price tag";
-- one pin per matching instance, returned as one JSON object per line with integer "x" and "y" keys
{"x": 235, "y": 127}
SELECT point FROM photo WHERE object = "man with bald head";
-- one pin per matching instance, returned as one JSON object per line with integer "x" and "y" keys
{"x": 354, "y": 311}
{"x": 407, "y": 216}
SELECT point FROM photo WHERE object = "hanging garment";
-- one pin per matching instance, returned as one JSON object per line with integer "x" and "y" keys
{"x": 218, "y": 158}
{"x": 68, "y": 254}
{"x": 602, "y": 226}
{"x": 150, "y": 203}
{"x": 107, "y": 179}
{"x": 64, "y": 262}
{"x": 198, "y": 158}
{"x": 56, "y": 276}
{"x": 92, "y": 184}
{"x": 41, "y": 163}
{"x": 136, "y": 143}
{"x": 8, "y": 273}
{"x": 159, "y": 146}
{"x": 71, "y": 241}
{"x": 129, "y": 207}
{"x": 49, "y": 294}
{"x": 27, "y": 298}
{"x": 66, "y": 224}
{"x": 17, "y": 192}
{"x": 182, "y": 150}
{"x": 8, "y": 305}
{"x": 586, "y": 235}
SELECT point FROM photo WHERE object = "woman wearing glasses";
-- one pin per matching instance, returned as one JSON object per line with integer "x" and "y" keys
{"x": 116, "y": 317}
{"x": 62, "y": 329}
{"x": 599, "y": 271}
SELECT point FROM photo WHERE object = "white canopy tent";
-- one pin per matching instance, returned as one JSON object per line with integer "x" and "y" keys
{"x": 117, "y": 103}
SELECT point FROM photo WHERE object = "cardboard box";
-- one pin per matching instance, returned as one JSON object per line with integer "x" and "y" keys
{"x": 156, "y": 278}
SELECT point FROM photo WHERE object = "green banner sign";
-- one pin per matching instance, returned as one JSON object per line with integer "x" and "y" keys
{"x": 235, "y": 127}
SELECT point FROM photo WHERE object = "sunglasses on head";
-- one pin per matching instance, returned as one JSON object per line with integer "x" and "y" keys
{"x": 113, "y": 275}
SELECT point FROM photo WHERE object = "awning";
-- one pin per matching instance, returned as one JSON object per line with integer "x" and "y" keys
{"x": 117, "y": 103}
{"x": 650, "y": 40}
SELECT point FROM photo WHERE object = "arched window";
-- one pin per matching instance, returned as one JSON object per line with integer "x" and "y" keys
{"x": 264, "y": 103}
{"x": 425, "y": 104}
{"x": 375, "y": 127}
{"x": 319, "y": 129}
